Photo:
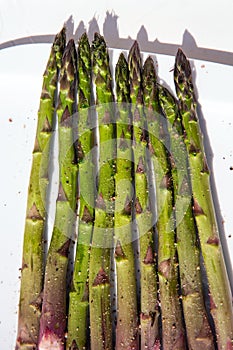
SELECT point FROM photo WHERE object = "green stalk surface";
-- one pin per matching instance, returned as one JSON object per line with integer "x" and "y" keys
{"x": 198, "y": 329}
{"x": 203, "y": 207}
{"x": 173, "y": 334}
{"x": 127, "y": 315}
{"x": 53, "y": 320}
{"x": 102, "y": 242}
{"x": 78, "y": 325}
{"x": 32, "y": 271}
{"x": 144, "y": 218}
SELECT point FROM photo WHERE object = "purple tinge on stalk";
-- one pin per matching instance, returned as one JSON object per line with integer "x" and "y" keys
{"x": 229, "y": 345}
{"x": 157, "y": 345}
{"x": 53, "y": 317}
{"x": 50, "y": 341}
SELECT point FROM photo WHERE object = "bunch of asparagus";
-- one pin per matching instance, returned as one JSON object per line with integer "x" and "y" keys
{"x": 134, "y": 187}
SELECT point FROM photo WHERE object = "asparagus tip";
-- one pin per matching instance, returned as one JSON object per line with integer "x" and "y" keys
{"x": 122, "y": 57}
{"x": 180, "y": 56}
{"x": 149, "y": 64}
{"x": 182, "y": 61}
{"x": 135, "y": 48}
{"x": 98, "y": 39}
{"x": 70, "y": 54}
{"x": 134, "y": 55}
{"x": 60, "y": 37}
{"x": 84, "y": 38}
{"x": 122, "y": 79}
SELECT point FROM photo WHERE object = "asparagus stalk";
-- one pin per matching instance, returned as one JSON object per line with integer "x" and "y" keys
{"x": 127, "y": 317}
{"x": 102, "y": 242}
{"x": 173, "y": 334}
{"x": 33, "y": 247}
{"x": 79, "y": 305}
{"x": 53, "y": 317}
{"x": 203, "y": 207}
{"x": 198, "y": 329}
{"x": 144, "y": 218}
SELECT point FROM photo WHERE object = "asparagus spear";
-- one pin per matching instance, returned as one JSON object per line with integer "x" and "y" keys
{"x": 203, "y": 207}
{"x": 53, "y": 317}
{"x": 173, "y": 334}
{"x": 102, "y": 242}
{"x": 198, "y": 330}
{"x": 79, "y": 305}
{"x": 127, "y": 318}
{"x": 144, "y": 219}
{"x": 33, "y": 247}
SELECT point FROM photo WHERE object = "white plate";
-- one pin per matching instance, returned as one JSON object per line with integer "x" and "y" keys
{"x": 21, "y": 70}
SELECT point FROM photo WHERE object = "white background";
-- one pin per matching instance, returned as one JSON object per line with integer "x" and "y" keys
{"x": 21, "y": 70}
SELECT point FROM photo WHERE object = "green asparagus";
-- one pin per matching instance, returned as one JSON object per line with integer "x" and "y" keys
{"x": 173, "y": 334}
{"x": 32, "y": 271}
{"x": 148, "y": 127}
{"x": 144, "y": 219}
{"x": 79, "y": 305}
{"x": 198, "y": 329}
{"x": 203, "y": 208}
{"x": 53, "y": 317}
{"x": 127, "y": 315}
{"x": 102, "y": 242}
